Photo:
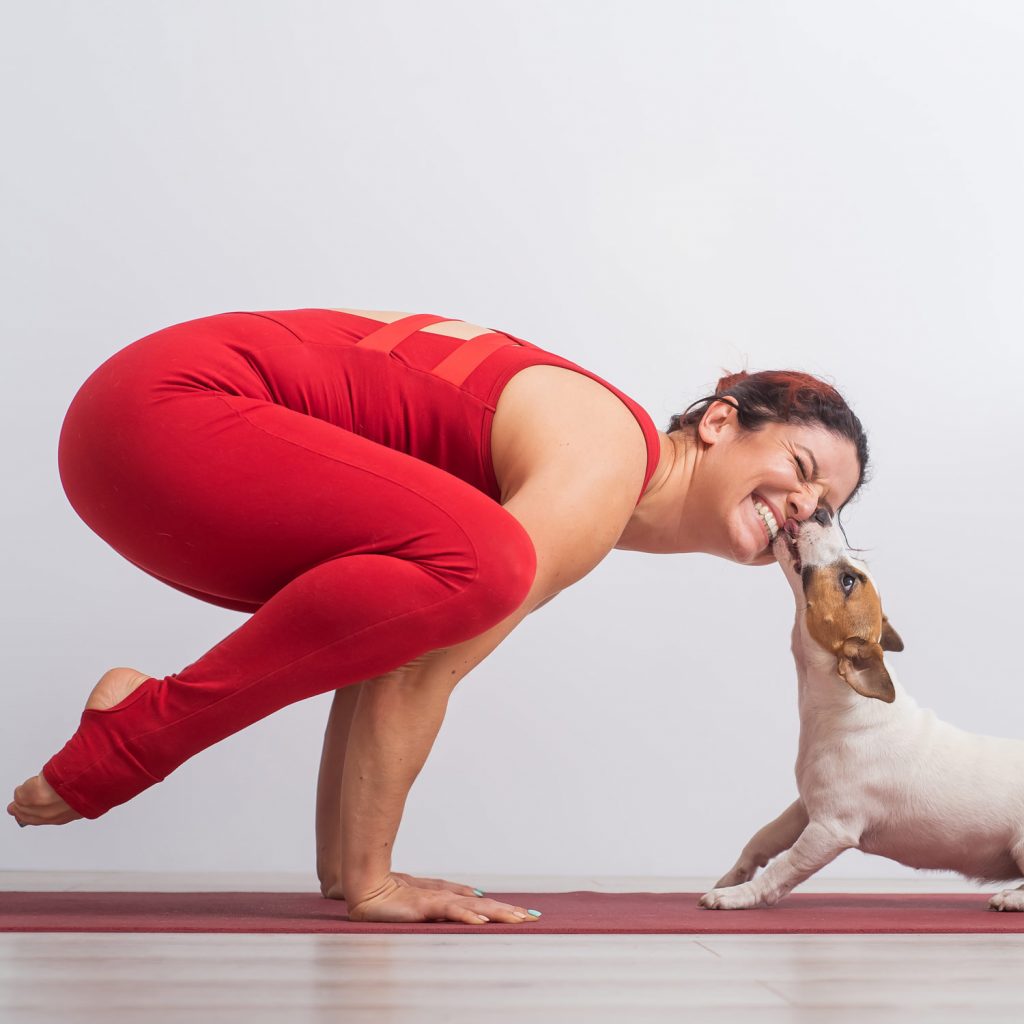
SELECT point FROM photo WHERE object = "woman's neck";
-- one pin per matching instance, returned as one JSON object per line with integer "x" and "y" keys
{"x": 660, "y": 524}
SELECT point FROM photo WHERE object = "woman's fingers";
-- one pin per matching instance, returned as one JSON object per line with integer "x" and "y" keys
{"x": 435, "y": 883}
{"x": 477, "y": 910}
{"x": 406, "y": 903}
{"x": 492, "y": 910}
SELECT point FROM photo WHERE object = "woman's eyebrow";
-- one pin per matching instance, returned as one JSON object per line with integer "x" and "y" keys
{"x": 814, "y": 467}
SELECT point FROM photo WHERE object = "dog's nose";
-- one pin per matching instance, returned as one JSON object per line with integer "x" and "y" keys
{"x": 821, "y": 516}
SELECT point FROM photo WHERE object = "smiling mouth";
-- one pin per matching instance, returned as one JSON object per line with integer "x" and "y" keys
{"x": 767, "y": 517}
{"x": 787, "y": 534}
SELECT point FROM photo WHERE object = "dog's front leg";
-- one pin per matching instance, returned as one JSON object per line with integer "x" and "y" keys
{"x": 768, "y": 842}
{"x": 816, "y": 846}
{"x": 1011, "y": 899}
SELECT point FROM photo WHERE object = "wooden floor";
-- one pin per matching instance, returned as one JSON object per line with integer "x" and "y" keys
{"x": 94, "y": 978}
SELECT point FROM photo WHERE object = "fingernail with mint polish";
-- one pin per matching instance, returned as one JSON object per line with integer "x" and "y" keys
{"x": 477, "y": 892}
{"x": 536, "y": 913}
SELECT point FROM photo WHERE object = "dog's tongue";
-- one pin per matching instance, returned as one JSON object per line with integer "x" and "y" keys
{"x": 792, "y": 527}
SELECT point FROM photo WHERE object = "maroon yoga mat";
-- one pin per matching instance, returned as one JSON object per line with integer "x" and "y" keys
{"x": 568, "y": 913}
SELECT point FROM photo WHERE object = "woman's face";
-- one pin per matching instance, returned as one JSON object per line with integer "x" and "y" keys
{"x": 790, "y": 468}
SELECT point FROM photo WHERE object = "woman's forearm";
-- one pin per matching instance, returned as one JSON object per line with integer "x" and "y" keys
{"x": 438, "y": 670}
{"x": 328, "y": 790}
{"x": 397, "y": 718}
{"x": 368, "y": 767}
{"x": 394, "y": 724}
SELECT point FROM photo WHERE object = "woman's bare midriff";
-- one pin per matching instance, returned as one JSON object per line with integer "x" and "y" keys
{"x": 536, "y": 405}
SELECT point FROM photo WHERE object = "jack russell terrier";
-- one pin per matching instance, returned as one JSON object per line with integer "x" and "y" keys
{"x": 875, "y": 771}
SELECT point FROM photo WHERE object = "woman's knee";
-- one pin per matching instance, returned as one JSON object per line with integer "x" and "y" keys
{"x": 507, "y": 566}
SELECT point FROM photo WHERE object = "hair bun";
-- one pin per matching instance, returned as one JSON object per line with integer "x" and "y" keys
{"x": 730, "y": 380}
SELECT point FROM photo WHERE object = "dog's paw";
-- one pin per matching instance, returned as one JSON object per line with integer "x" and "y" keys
{"x": 735, "y": 897}
{"x": 1008, "y": 899}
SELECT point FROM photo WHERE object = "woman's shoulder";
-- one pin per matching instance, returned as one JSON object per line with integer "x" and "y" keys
{"x": 558, "y": 423}
{"x": 575, "y": 506}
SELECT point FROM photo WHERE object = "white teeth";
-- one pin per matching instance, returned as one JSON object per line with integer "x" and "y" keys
{"x": 766, "y": 514}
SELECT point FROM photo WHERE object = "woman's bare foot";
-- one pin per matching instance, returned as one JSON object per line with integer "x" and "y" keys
{"x": 35, "y": 801}
{"x": 113, "y": 687}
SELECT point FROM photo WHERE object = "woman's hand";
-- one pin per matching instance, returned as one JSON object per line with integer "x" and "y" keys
{"x": 397, "y": 901}
{"x": 36, "y": 803}
{"x": 334, "y": 892}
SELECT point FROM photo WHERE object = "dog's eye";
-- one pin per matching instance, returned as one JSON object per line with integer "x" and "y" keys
{"x": 846, "y": 581}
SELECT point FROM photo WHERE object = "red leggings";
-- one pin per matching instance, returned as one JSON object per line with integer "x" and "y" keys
{"x": 353, "y": 557}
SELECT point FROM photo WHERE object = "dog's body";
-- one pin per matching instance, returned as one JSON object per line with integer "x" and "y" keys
{"x": 881, "y": 775}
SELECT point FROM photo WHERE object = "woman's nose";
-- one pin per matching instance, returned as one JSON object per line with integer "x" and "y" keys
{"x": 804, "y": 505}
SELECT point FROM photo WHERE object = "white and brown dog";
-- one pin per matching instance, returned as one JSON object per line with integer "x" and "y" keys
{"x": 875, "y": 771}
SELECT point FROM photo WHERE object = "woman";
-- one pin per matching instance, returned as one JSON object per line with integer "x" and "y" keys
{"x": 389, "y": 495}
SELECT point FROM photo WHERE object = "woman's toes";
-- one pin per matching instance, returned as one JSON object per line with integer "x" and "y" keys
{"x": 36, "y": 802}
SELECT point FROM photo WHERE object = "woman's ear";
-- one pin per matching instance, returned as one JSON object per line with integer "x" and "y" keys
{"x": 861, "y": 665}
{"x": 718, "y": 415}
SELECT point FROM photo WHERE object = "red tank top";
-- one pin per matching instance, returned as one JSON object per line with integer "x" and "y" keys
{"x": 429, "y": 395}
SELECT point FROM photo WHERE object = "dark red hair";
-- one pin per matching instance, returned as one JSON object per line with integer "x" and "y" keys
{"x": 782, "y": 396}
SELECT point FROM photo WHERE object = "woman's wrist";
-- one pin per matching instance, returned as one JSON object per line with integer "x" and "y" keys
{"x": 359, "y": 887}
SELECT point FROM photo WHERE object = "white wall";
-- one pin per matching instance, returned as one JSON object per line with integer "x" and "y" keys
{"x": 655, "y": 190}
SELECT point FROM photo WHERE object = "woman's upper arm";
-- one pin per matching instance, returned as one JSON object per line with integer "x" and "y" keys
{"x": 574, "y": 520}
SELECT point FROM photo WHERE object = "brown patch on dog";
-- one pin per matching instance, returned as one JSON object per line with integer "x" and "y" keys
{"x": 890, "y": 639}
{"x": 848, "y": 621}
{"x": 861, "y": 665}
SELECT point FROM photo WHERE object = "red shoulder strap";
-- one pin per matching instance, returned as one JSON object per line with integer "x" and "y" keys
{"x": 458, "y": 364}
{"x": 462, "y": 361}
{"x": 387, "y": 336}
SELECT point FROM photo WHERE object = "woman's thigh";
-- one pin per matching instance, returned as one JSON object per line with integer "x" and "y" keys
{"x": 230, "y": 497}
{"x": 356, "y": 559}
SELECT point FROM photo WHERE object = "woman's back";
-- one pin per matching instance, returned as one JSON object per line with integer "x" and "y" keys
{"x": 435, "y": 391}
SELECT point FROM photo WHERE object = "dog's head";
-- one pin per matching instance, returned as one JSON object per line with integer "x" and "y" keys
{"x": 842, "y": 612}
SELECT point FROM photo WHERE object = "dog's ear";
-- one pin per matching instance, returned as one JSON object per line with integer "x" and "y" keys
{"x": 861, "y": 665}
{"x": 891, "y": 640}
